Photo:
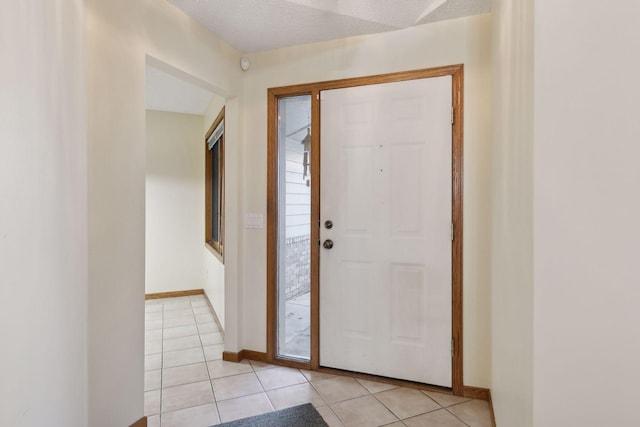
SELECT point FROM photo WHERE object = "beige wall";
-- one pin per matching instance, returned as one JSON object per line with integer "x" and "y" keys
{"x": 465, "y": 41}
{"x": 43, "y": 214}
{"x": 560, "y": 205}
{"x": 121, "y": 33}
{"x": 565, "y": 276}
{"x": 175, "y": 257}
{"x": 174, "y": 214}
{"x": 586, "y": 210}
{"x": 512, "y": 223}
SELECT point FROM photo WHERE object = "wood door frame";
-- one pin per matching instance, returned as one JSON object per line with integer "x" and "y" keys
{"x": 313, "y": 89}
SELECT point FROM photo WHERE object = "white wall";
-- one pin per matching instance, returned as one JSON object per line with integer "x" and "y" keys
{"x": 586, "y": 210}
{"x": 512, "y": 225}
{"x": 43, "y": 211}
{"x": 465, "y": 41}
{"x": 120, "y": 34}
{"x": 174, "y": 215}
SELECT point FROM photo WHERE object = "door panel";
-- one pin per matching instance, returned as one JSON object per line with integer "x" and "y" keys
{"x": 358, "y": 179}
{"x": 353, "y": 293}
{"x": 407, "y": 180}
{"x": 385, "y": 286}
{"x": 407, "y": 304}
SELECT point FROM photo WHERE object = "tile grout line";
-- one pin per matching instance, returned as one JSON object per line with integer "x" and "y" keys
{"x": 461, "y": 420}
{"x": 382, "y": 403}
{"x": 206, "y": 366}
{"x": 162, "y": 372}
{"x": 189, "y": 407}
{"x": 320, "y": 394}
{"x": 329, "y": 404}
{"x": 273, "y": 406}
{"x": 162, "y": 367}
{"x": 417, "y": 415}
{"x": 153, "y": 354}
{"x": 318, "y": 391}
{"x": 246, "y": 395}
{"x": 228, "y": 376}
{"x": 386, "y": 407}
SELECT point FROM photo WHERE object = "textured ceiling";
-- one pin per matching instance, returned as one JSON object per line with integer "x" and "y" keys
{"x": 166, "y": 92}
{"x": 257, "y": 25}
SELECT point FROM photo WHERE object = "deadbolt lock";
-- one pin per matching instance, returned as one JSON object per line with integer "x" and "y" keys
{"x": 328, "y": 224}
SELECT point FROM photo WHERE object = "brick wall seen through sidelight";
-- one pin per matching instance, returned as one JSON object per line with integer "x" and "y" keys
{"x": 298, "y": 253}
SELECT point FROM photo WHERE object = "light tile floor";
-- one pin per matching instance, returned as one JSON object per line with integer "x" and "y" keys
{"x": 188, "y": 385}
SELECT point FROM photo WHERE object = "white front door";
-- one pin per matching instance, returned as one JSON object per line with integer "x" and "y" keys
{"x": 385, "y": 285}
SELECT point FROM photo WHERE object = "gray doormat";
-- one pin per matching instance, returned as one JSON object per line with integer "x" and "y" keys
{"x": 297, "y": 416}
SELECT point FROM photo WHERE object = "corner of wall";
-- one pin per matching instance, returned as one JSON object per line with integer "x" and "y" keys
{"x": 512, "y": 224}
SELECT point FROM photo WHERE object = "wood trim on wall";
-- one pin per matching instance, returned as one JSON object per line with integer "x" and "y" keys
{"x": 476, "y": 392}
{"x": 308, "y": 88}
{"x": 230, "y": 356}
{"x": 456, "y": 217}
{"x": 315, "y": 231}
{"x": 174, "y": 294}
{"x": 257, "y": 356}
{"x": 272, "y": 228}
{"x": 313, "y": 89}
{"x": 142, "y": 422}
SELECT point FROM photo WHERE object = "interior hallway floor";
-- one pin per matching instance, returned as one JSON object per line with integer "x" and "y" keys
{"x": 188, "y": 385}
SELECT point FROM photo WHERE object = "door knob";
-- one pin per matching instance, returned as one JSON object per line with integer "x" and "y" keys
{"x": 328, "y": 244}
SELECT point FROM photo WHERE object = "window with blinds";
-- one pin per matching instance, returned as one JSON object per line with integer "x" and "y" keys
{"x": 214, "y": 185}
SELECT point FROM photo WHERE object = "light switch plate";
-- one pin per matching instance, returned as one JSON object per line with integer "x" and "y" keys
{"x": 253, "y": 220}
